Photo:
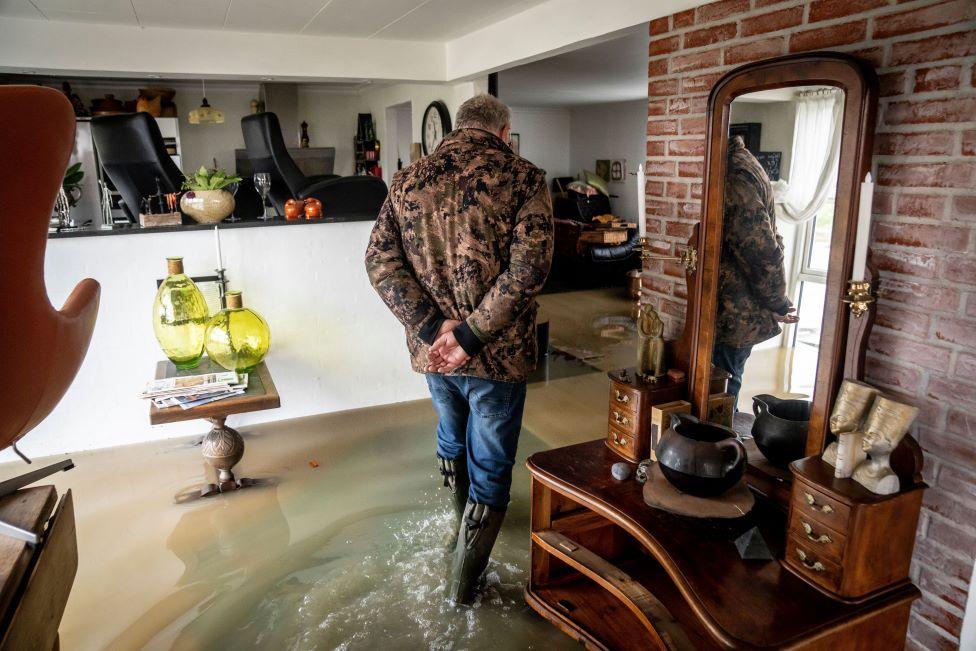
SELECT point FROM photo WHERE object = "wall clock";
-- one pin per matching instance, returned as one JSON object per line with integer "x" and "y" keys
{"x": 436, "y": 124}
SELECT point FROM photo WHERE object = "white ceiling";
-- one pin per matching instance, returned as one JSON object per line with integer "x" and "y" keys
{"x": 411, "y": 20}
{"x": 611, "y": 71}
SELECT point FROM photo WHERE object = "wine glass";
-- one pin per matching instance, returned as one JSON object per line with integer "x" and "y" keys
{"x": 233, "y": 188}
{"x": 262, "y": 182}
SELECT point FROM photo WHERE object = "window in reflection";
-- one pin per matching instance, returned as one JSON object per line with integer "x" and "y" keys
{"x": 778, "y": 215}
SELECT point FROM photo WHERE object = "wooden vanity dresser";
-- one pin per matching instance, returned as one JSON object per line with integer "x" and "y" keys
{"x": 616, "y": 574}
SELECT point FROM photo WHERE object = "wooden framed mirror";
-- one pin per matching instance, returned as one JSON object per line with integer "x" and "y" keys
{"x": 808, "y": 121}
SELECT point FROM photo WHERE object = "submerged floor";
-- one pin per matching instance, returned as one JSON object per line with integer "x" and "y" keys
{"x": 346, "y": 555}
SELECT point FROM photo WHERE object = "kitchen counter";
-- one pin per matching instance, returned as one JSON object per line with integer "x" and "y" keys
{"x": 133, "y": 229}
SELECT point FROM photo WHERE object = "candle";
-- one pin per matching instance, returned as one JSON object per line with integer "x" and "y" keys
{"x": 220, "y": 257}
{"x": 641, "y": 202}
{"x": 863, "y": 229}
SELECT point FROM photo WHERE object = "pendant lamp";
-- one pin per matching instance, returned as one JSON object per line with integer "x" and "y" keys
{"x": 206, "y": 114}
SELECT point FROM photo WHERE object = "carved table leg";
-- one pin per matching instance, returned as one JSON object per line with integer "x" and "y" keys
{"x": 223, "y": 448}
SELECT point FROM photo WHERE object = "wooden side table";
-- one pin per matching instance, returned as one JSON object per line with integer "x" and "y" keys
{"x": 223, "y": 446}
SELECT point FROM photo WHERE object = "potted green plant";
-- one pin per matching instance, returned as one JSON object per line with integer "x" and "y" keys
{"x": 72, "y": 183}
{"x": 206, "y": 198}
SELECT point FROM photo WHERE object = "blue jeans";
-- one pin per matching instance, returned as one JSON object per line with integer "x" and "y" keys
{"x": 480, "y": 419}
{"x": 732, "y": 360}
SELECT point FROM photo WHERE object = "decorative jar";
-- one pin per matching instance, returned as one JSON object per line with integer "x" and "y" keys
{"x": 207, "y": 206}
{"x": 780, "y": 428}
{"x": 180, "y": 317}
{"x": 701, "y": 459}
{"x": 237, "y": 338}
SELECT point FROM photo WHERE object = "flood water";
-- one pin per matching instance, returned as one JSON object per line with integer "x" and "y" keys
{"x": 346, "y": 555}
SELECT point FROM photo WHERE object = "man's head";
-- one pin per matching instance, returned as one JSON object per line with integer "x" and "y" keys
{"x": 485, "y": 112}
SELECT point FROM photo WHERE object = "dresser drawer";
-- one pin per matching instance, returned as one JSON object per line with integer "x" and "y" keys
{"x": 813, "y": 503}
{"x": 624, "y": 397}
{"x": 623, "y": 420}
{"x": 818, "y": 536}
{"x": 810, "y": 563}
{"x": 623, "y": 443}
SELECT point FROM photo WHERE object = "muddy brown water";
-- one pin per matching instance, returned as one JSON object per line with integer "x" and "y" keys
{"x": 347, "y": 555}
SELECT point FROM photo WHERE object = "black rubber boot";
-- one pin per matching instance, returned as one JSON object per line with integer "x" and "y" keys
{"x": 455, "y": 474}
{"x": 479, "y": 529}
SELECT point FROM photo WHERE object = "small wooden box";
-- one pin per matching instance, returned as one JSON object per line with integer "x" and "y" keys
{"x": 631, "y": 400}
{"x": 165, "y": 219}
{"x": 846, "y": 540}
{"x": 604, "y": 236}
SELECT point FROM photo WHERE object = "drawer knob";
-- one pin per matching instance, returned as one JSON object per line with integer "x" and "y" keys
{"x": 621, "y": 396}
{"x": 620, "y": 420}
{"x": 822, "y": 538}
{"x": 816, "y": 507}
{"x": 816, "y": 566}
{"x": 618, "y": 440}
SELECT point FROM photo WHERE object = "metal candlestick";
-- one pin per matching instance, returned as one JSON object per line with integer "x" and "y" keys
{"x": 859, "y": 297}
{"x": 221, "y": 287}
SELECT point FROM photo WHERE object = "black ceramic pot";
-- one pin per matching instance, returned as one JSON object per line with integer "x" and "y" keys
{"x": 700, "y": 459}
{"x": 781, "y": 428}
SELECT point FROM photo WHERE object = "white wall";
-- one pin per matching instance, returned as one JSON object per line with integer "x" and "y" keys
{"x": 331, "y": 121}
{"x": 334, "y": 345}
{"x": 544, "y": 135}
{"x": 609, "y": 131}
{"x": 777, "y": 120}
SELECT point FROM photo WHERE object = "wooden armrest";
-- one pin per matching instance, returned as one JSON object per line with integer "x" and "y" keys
{"x": 660, "y": 623}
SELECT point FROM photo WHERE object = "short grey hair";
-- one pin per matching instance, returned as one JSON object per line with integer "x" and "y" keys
{"x": 483, "y": 112}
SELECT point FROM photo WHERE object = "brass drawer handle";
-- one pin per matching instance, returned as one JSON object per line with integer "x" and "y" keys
{"x": 816, "y": 566}
{"x": 621, "y": 396}
{"x": 822, "y": 538}
{"x": 620, "y": 420}
{"x": 813, "y": 503}
{"x": 618, "y": 441}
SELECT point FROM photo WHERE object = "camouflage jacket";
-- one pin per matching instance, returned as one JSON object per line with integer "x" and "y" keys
{"x": 466, "y": 234}
{"x": 752, "y": 279}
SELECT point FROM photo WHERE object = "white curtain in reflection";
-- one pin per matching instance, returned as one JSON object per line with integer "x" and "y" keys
{"x": 816, "y": 150}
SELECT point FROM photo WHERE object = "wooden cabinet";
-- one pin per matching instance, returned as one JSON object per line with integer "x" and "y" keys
{"x": 845, "y": 539}
{"x": 615, "y": 574}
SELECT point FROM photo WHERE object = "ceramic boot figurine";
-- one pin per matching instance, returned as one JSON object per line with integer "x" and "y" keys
{"x": 853, "y": 402}
{"x": 479, "y": 529}
{"x": 886, "y": 426}
{"x": 455, "y": 474}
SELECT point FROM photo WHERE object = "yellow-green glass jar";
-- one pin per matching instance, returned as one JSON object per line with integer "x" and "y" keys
{"x": 180, "y": 316}
{"x": 237, "y": 337}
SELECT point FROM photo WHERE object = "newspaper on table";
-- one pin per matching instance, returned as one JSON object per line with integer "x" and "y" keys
{"x": 183, "y": 385}
{"x": 195, "y": 390}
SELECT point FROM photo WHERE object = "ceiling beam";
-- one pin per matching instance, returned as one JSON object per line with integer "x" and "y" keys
{"x": 550, "y": 28}
{"x": 89, "y": 49}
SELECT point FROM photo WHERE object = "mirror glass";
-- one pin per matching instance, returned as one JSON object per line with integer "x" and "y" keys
{"x": 780, "y": 185}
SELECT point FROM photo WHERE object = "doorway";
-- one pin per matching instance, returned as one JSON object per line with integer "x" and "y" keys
{"x": 399, "y": 135}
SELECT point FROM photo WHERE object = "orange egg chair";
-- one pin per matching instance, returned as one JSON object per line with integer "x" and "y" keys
{"x": 41, "y": 348}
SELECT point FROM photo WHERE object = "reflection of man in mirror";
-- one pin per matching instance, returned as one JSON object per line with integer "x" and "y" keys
{"x": 752, "y": 299}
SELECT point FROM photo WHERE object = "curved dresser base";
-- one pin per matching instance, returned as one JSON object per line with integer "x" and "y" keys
{"x": 616, "y": 574}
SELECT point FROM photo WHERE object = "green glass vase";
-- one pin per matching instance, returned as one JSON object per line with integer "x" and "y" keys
{"x": 180, "y": 317}
{"x": 237, "y": 338}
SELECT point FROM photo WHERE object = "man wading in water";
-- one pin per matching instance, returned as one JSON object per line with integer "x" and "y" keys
{"x": 460, "y": 249}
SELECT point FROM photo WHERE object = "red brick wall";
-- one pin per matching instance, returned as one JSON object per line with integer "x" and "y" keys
{"x": 924, "y": 344}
